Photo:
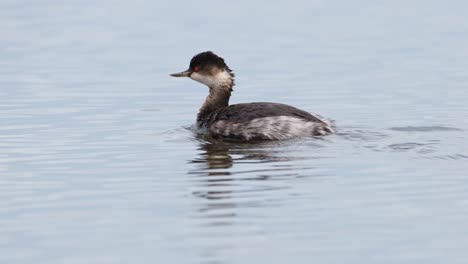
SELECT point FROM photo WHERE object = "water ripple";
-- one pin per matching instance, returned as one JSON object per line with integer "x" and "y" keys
{"x": 424, "y": 129}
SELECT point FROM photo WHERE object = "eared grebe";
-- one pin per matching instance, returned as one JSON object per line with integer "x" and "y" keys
{"x": 250, "y": 121}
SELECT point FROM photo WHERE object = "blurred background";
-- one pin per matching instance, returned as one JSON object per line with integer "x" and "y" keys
{"x": 98, "y": 163}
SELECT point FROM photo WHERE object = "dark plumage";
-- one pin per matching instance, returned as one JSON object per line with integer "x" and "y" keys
{"x": 249, "y": 111}
{"x": 249, "y": 121}
{"x": 207, "y": 58}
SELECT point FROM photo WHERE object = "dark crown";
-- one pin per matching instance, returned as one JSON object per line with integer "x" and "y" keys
{"x": 208, "y": 58}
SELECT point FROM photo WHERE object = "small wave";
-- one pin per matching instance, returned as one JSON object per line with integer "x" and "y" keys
{"x": 406, "y": 146}
{"x": 424, "y": 129}
{"x": 451, "y": 157}
{"x": 361, "y": 135}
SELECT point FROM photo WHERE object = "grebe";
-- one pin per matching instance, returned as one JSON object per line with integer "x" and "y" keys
{"x": 249, "y": 121}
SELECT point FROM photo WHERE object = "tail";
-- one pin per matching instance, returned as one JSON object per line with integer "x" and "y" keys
{"x": 327, "y": 127}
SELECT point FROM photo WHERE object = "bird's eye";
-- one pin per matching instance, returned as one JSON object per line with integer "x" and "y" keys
{"x": 196, "y": 69}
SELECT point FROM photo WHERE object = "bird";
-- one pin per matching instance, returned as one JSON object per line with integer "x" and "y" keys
{"x": 257, "y": 121}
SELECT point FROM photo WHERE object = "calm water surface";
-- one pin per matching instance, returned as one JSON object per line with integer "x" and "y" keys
{"x": 98, "y": 164}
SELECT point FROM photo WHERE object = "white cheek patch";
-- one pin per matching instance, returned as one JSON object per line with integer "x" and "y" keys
{"x": 201, "y": 78}
{"x": 222, "y": 78}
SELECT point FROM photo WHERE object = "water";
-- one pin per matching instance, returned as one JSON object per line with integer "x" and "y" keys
{"x": 97, "y": 164}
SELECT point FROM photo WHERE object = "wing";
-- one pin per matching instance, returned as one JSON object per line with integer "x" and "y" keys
{"x": 241, "y": 113}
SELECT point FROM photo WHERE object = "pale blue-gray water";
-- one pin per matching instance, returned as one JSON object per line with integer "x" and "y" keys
{"x": 98, "y": 164}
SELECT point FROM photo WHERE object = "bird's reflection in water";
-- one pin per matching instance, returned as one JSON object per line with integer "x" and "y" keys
{"x": 234, "y": 176}
{"x": 214, "y": 155}
{"x": 213, "y": 161}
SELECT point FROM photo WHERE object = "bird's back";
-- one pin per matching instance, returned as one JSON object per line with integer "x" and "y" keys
{"x": 264, "y": 121}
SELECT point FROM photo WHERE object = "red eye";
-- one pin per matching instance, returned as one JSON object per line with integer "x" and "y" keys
{"x": 196, "y": 68}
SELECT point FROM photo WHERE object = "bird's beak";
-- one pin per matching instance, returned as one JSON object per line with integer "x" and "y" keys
{"x": 182, "y": 74}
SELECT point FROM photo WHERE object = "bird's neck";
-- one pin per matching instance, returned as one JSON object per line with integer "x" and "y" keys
{"x": 217, "y": 99}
